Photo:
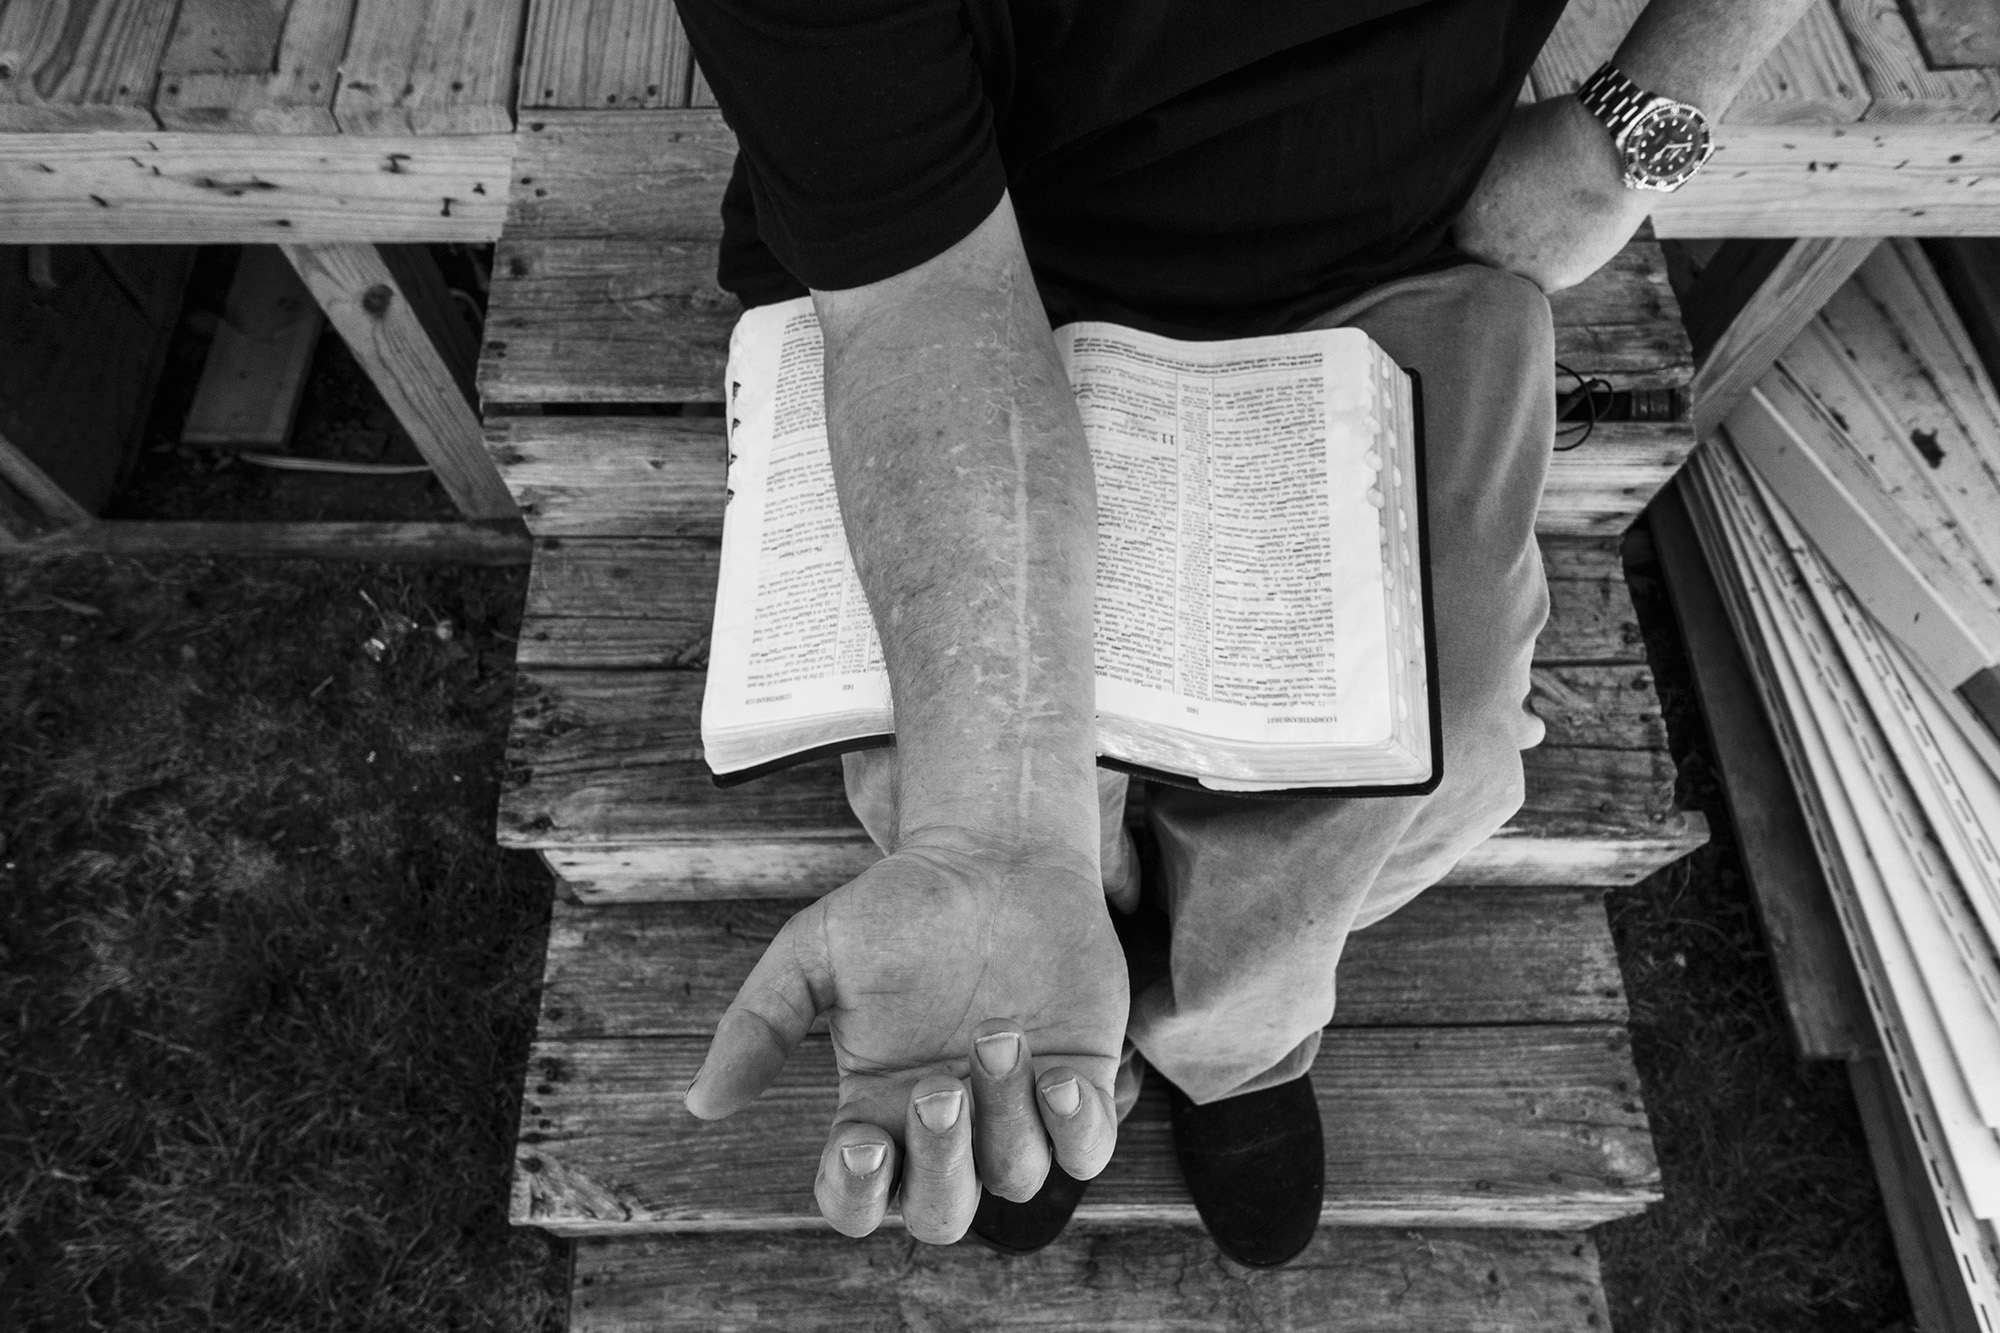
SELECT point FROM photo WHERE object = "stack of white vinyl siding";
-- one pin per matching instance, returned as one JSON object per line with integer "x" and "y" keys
{"x": 1851, "y": 512}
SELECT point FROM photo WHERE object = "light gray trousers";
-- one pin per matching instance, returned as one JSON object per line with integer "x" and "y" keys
{"x": 1263, "y": 894}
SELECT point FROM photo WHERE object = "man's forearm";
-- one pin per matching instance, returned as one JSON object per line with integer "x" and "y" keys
{"x": 966, "y": 488}
{"x": 1552, "y": 205}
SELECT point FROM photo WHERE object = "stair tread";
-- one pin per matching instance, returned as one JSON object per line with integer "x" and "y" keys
{"x": 1533, "y": 1126}
{"x": 604, "y": 279}
{"x": 1457, "y": 956}
{"x": 1134, "y": 1281}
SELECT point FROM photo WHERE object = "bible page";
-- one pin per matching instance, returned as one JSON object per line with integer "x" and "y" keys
{"x": 793, "y": 629}
{"x": 1238, "y": 504}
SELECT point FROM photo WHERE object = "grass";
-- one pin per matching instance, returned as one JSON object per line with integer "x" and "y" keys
{"x": 1772, "y": 1221}
{"x": 267, "y": 981}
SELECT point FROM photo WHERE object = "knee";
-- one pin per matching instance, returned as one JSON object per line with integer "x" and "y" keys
{"x": 1485, "y": 782}
{"x": 1514, "y": 310}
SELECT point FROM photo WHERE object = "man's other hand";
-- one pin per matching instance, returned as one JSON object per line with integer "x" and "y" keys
{"x": 977, "y": 1004}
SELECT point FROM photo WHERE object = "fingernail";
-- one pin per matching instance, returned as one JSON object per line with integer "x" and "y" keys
{"x": 939, "y": 1110}
{"x": 864, "y": 1159}
{"x": 998, "y": 1053}
{"x": 1064, "y": 1098}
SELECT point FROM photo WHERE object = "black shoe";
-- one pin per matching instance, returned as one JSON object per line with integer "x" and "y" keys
{"x": 1256, "y": 1166}
{"x": 1023, "y": 1228}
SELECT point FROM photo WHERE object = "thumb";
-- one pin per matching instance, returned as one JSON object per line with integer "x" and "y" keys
{"x": 763, "y": 1026}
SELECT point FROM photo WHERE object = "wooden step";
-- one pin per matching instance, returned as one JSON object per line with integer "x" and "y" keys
{"x": 1152, "y": 1280}
{"x": 605, "y": 777}
{"x": 1477, "y": 1073}
{"x": 1458, "y": 956}
{"x": 604, "y": 283}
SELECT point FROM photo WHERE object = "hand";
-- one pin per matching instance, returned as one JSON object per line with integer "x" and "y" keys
{"x": 931, "y": 952}
{"x": 1552, "y": 205}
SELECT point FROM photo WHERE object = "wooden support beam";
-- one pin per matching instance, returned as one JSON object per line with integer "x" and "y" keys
{"x": 220, "y": 189}
{"x": 1750, "y": 303}
{"x": 36, "y": 504}
{"x": 1841, "y": 180}
{"x": 257, "y": 365}
{"x": 385, "y": 303}
{"x": 387, "y": 543}
{"x": 1824, "y": 1005}
{"x": 1958, "y": 33}
{"x": 627, "y": 54}
{"x": 1969, "y": 268}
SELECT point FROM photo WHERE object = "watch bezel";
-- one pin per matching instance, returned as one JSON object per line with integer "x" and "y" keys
{"x": 1640, "y": 174}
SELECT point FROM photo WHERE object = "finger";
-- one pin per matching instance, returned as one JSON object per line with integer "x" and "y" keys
{"x": 1009, "y": 1145}
{"x": 1121, "y": 880}
{"x": 764, "y": 1024}
{"x": 854, "y": 1176}
{"x": 940, "y": 1183}
{"x": 1080, "y": 1118}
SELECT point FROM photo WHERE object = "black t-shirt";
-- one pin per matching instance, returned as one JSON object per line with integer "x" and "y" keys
{"x": 1198, "y": 167}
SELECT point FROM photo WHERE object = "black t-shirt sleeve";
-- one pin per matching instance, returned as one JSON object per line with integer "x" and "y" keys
{"x": 865, "y": 137}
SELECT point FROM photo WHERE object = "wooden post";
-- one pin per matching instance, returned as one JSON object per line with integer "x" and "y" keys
{"x": 391, "y": 306}
{"x": 257, "y": 366}
{"x": 30, "y": 502}
{"x": 1748, "y": 305}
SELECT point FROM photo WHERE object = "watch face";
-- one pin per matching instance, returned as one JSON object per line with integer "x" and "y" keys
{"x": 1665, "y": 146}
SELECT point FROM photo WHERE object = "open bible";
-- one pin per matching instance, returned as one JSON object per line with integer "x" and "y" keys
{"x": 1262, "y": 613}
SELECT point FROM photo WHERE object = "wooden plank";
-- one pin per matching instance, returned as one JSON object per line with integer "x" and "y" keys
{"x": 1832, "y": 180}
{"x": 1765, "y": 319}
{"x": 611, "y": 759}
{"x": 80, "y": 64}
{"x": 166, "y": 187}
{"x": 1902, "y": 85}
{"x": 37, "y": 504}
{"x": 664, "y": 588}
{"x": 600, "y": 321}
{"x": 1824, "y": 1006}
{"x": 626, "y": 54}
{"x": 597, "y": 173}
{"x": 418, "y": 543}
{"x": 1811, "y": 77}
{"x": 614, "y": 476}
{"x": 257, "y": 365}
{"x": 1938, "y": 1299}
{"x": 1524, "y": 1126}
{"x": 1878, "y": 550}
{"x": 1597, "y": 489}
{"x": 1455, "y": 957}
{"x": 631, "y": 319}
{"x": 377, "y": 302}
{"x": 664, "y": 476}
{"x": 1150, "y": 1280}
{"x": 1957, "y": 32}
{"x": 254, "y": 66}
{"x": 445, "y": 67}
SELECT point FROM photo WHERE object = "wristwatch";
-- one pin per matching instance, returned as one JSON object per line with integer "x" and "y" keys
{"x": 1660, "y": 141}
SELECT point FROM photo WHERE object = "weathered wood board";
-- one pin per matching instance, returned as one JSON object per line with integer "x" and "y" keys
{"x": 377, "y": 543}
{"x": 628, "y": 54}
{"x": 627, "y": 319}
{"x": 1957, "y": 32}
{"x": 438, "y": 68}
{"x": 80, "y": 64}
{"x": 1870, "y": 179}
{"x": 1144, "y": 1280}
{"x": 1811, "y": 77}
{"x": 216, "y": 189}
{"x": 1457, "y": 956}
{"x": 1902, "y": 85}
{"x": 257, "y": 365}
{"x": 254, "y": 66}
{"x": 1519, "y": 1126}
